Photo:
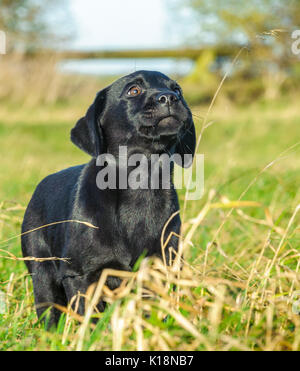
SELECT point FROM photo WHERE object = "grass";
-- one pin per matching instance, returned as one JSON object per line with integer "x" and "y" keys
{"x": 240, "y": 274}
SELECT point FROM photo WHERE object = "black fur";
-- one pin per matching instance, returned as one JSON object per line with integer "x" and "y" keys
{"x": 130, "y": 221}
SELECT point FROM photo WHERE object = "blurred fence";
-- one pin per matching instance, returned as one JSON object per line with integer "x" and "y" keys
{"x": 33, "y": 77}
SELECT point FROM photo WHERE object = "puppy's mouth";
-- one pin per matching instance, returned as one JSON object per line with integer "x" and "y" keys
{"x": 168, "y": 125}
{"x": 162, "y": 121}
{"x": 169, "y": 120}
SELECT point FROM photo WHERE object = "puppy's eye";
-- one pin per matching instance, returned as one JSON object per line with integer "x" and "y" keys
{"x": 134, "y": 91}
{"x": 177, "y": 91}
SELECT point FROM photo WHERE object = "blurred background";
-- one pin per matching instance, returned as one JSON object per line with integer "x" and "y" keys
{"x": 238, "y": 63}
{"x": 51, "y": 43}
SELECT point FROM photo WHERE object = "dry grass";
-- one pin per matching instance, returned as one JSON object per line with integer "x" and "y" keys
{"x": 34, "y": 82}
{"x": 201, "y": 307}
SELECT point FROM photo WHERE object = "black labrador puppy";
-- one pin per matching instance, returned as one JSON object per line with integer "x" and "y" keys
{"x": 145, "y": 113}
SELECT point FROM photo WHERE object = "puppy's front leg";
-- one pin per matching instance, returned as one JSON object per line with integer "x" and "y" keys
{"x": 78, "y": 285}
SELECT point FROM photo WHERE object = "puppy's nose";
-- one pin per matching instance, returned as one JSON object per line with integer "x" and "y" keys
{"x": 167, "y": 98}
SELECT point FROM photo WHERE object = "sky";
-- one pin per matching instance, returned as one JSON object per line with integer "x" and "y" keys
{"x": 115, "y": 24}
{"x": 124, "y": 24}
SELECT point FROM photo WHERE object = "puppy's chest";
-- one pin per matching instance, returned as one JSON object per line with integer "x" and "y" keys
{"x": 143, "y": 214}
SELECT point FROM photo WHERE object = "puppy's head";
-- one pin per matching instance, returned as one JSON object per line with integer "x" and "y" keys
{"x": 144, "y": 111}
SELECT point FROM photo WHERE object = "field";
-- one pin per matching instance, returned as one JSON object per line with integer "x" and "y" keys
{"x": 239, "y": 284}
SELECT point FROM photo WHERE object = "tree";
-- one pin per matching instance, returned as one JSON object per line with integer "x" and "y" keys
{"x": 242, "y": 22}
{"x": 263, "y": 26}
{"x": 29, "y": 24}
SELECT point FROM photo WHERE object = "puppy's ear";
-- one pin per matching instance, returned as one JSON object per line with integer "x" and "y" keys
{"x": 87, "y": 134}
{"x": 186, "y": 145}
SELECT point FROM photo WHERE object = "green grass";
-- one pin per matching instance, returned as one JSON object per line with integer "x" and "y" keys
{"x": 234, "y": 306}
